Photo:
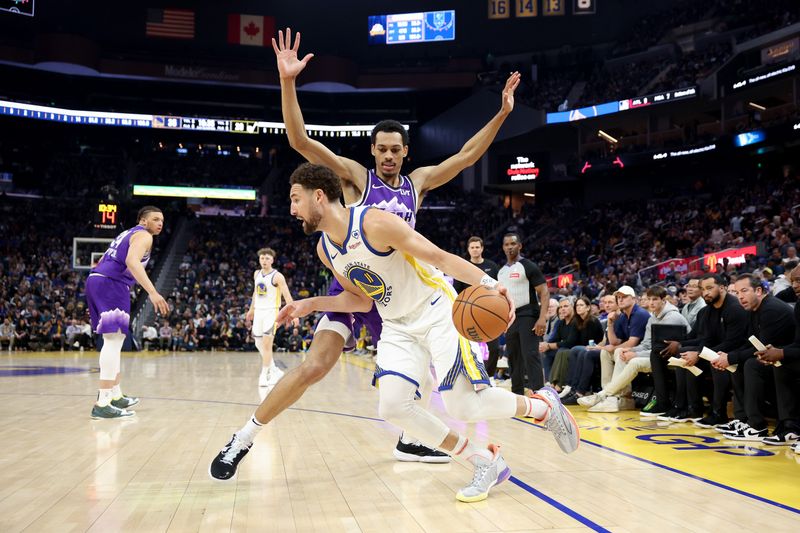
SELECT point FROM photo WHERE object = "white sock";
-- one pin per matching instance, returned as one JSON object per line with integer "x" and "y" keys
{"x": 465, "y": 449}
{"x": 407, "y": 440}
{"x": 536, "y": 408}
{"x": 250, "y": 430}
{"x": 116, "y": 392}
{"x": 104, "y": 397}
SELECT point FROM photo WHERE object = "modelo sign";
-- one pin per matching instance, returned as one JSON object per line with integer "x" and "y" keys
{"x": 522, "y": 169}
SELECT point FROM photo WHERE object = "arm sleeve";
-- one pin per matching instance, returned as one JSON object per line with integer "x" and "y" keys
{"x": 571, "y": 338}
{"x": 596, "y": 331}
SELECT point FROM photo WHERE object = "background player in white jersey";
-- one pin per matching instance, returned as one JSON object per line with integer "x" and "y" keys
{"x": 268, "y": 287}
{"x": 380, "y": 260}
{"x": 401, "y": 194}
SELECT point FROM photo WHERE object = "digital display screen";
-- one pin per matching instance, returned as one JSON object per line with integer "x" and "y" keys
{"x": 750, "y": 137}
{"x": 518, "y": 168}
{"x": 106, "y": 216}
{"x": 194, "y": 192}
{"x": 101, "y": 118}
{"x": 406, "y": 28}
{"x": 621, "y": 105}
{"x": 21, "y": 7}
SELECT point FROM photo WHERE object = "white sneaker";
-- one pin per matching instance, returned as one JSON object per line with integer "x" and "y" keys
{"x": 487, "y": 475}
{"x": 590, "y": 400}
{"x": 733, "y": 425}
{"x": 747, "y": 434}
{"x": 610, "y": 404}
{"x": 275, "y": 374}
{"x": 264, "y": 378}
{"x": 782, "y": 439}
{"x": 566, "y": 390}
{"x": 560, "y": 422}
{"x": 796, "y": 447}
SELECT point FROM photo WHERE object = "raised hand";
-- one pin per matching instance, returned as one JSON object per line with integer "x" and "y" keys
{"x": 508, "y": 92}
{"x": 289, "y": 66}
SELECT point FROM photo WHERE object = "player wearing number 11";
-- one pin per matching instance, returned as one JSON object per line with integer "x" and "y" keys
{"x": 380, "y": 260}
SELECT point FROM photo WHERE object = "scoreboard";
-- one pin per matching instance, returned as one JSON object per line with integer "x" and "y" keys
{"x": 205, "y": 124}
{"x": 106, "y": 216}
{"x": 404, "y": 28}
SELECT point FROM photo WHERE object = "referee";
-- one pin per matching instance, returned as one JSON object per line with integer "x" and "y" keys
{"x": 490, "y": 268}
{"x": 527, "y": 287}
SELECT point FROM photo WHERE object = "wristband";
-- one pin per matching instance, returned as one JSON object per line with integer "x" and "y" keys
{"x": 488, "y": 282}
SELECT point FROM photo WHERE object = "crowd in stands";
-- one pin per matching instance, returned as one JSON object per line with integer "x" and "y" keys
{"x": 610, "y": 245}
{"x": 214, "y": 285}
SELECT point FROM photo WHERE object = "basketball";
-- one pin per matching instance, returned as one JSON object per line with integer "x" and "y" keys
{"x": 480, "y": 314}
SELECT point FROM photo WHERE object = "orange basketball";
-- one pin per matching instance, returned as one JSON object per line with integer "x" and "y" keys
{"x": 480, "y": 314}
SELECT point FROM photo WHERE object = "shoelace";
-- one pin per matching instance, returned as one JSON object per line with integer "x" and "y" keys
{"x": 232, "y": 451}
{"x": 480, "y": 472}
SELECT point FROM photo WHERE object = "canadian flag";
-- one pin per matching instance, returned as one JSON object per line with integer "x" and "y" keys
{"x": 252, "y": 30}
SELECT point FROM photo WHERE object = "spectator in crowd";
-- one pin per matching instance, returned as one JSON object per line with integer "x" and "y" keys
{"x": 7, "y": 333}
{"x": 586, "y": 334}
{"x": 149, "y": 336}
{"x": 559, "y": 343}
{"x": 632, "y": 361}
{"x": 625, "y": 329}
{"x": 694, "y": 302}
{"x": 295, "y": 341}
{"x": 772, "y": 322}
{"x": 164, "y": 335}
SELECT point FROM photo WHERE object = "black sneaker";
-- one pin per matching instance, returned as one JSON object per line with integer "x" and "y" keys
{"x": 123, "y": 402}
{"x": 570, "y": 399}
{"x": 711, "y": 421}
{"x": 747, "y": 433}
{"x": 733, "y": 425}
{"x": 223, "y": 467}
{"x": 783, "y": 438}
{"x": 686, "y": 416}
{"x": 653, "y": 408}
{"x": 667, "y": 417}
{"x": 417, "y": 453}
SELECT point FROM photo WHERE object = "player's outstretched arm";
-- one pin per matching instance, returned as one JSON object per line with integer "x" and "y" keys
{"x": 427, "y": 178}
{"x": 140, "y": 242}
{"x": 289, "y": 67}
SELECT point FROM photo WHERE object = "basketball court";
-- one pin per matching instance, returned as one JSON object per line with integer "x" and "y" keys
{"x": 326, "y": 463}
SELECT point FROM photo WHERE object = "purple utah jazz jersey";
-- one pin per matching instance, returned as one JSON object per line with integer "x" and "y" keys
{"x": 112, "y": 264}
{"x": 402, "y": 201}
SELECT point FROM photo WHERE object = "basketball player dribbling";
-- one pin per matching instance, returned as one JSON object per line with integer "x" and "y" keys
{"x": 108, "y": 295}
{"x": 383, "y": 187}
{"x": 268, "y": 287}
{"x": 380, "y": 261}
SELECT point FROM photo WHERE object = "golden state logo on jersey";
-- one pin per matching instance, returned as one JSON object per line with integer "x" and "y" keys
{"x": 368, "y": 282}
{"x": 261, "y": 288}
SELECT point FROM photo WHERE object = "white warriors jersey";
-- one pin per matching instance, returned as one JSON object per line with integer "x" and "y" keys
{"x": 267, "y": 295}
{"x": 398, "y": 283}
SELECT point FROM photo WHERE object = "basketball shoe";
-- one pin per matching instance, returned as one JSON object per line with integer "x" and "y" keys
{"x": 123, "y": 402}
{"x": 275, "y": 374}
{"x": 559, "y": 421}
{"x": 486, "y": 475}
{"x": 224, "y": 465}
{"x": 263, "y": 379}
{"x": 110, "y": 411}
{"x": 416, "y": 452}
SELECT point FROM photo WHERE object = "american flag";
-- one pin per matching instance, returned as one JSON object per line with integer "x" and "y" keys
{"x": 172, "y": 23}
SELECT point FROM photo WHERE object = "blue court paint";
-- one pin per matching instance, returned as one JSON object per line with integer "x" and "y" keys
{"x": 681, "y": 472}
{"x": 558, "y": 505}
{"x": 39, "y": 370}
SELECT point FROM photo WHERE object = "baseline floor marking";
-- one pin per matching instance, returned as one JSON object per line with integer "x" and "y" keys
{"x": 683, "y": 473}
{"x": 558, "y": 505}
{"x": 521, "y": 484}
